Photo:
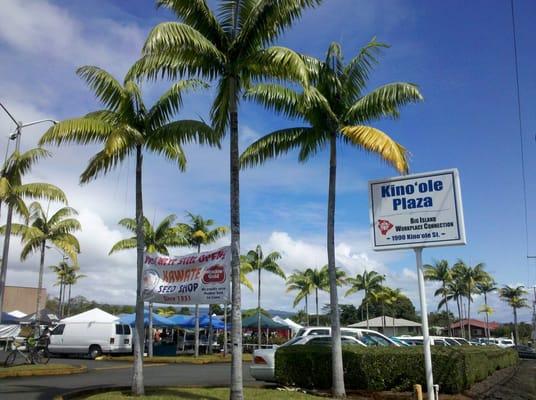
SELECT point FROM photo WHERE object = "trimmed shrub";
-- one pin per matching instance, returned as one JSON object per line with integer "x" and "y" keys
{"x": 390, "y": 368}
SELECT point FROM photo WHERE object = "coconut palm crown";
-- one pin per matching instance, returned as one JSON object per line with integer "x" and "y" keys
{"x": 157, "y": 240}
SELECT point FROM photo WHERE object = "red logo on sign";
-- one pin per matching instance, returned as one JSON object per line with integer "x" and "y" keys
{"x": 214, "y": 274}
{"x": 384, "y": 226}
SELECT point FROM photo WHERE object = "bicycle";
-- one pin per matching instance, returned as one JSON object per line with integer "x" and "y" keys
{"x": 31, "y": 351}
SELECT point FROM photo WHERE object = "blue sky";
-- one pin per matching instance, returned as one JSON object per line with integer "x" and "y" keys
{"x": 460, "y": 54}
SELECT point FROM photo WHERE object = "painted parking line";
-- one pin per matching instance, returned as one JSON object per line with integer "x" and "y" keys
{"x": 126, "y": 366}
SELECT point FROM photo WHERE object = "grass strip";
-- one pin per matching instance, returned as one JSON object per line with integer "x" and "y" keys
{"x": 205, "y": 394}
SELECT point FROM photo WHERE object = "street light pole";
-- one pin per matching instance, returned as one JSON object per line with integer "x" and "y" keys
{"x": 3, "y": 269}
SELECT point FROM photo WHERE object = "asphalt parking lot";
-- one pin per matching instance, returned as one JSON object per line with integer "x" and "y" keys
{"x": 115, "y": 374}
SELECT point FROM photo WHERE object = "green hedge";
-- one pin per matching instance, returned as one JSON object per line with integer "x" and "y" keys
{"x": 390, "y": 368}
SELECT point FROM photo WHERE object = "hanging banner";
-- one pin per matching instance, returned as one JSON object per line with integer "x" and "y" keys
{"x": 199, "y": 278}
{"x": 420, "y": 210}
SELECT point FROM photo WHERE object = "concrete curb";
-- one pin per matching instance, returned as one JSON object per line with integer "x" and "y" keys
{"x": 78, "y": 369}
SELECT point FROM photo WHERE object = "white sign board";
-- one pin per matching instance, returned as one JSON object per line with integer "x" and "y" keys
{"x": 199, "y": 278}
{"x": 420, "y": 210}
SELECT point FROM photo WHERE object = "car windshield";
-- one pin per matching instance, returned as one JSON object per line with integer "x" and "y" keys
{"x": 452, "y": 342}
{"x": 372, "y": 340}
{"x": 291, "y": 341}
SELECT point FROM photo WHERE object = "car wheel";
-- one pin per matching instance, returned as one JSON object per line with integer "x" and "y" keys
{"x": 94, "y": 351}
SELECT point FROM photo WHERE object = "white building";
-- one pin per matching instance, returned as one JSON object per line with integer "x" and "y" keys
{"x": 393, "y": 326}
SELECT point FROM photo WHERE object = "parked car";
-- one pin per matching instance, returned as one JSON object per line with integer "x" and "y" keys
{"x": 419, "y": 340}
{"x": 525, "y": 351}
{"x": 367, "y": 336}
{"x": 90, "y": 338}
{"x": 263, "y": 366}
{"x": 502, "y": 342}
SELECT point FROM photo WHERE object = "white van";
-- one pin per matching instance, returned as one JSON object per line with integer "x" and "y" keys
{"x": 91, "y": 338}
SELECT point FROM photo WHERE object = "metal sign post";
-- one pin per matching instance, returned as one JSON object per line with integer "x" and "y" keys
{"x": 413, "y": 212}
{"x": 424, "y": 323}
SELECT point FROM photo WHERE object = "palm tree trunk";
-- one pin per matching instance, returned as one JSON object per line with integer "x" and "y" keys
{"x": 337, "y": 389}
{"x": 5, "y": 254}
{"x": 63, "y": 298}
{"x": 225, "y": 329}
{"x": 317, "y": 315}
{"x": 150, "y": 329}
{"x": 383, "y": 318}
{"x": 237, "y": 392}
{"x": 259, "y": 336}
{"x": 366, "y": 306}
{"x": 210, "y": 330}
{"x": 306, "y": 312}
{"x": 196, "y": 329}
{"x": 469, "y": 313}
{"x": 449, "y": 329}
{"x": 486, "y": 331}
{"x": 137, "y": 369}
{"x": 40, "y": 285}
{"x": 394, "y": 327}
{"x": 69, "y": 301}
{"x": 60, "y": 314}
{"x": 459, "y": 313}
{"x": 516, "y": 333}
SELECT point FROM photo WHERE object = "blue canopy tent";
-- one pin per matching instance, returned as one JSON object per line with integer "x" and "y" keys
{"x": 182, "y": 321}
{"x": 8, "y": 319}
{"x": 158, "y": 320}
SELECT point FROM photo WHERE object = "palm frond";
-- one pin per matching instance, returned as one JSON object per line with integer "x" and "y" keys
{"x": 61, "y": 214}
{"x": 124, "y": 244}
{"x": 358, "y": 69}
{"x": 265, "y": 20}
{"x": 376, "y": 141}
{"x": 107, "y": 89}
{"x": 101, "y": 163}
{"x": 30, "y": 246}
{"x": 172, "y": 151}
{"x": 273, "y": 145}
{"x": 279, "y": 63}
{"x": 186, "y": 132}
{"x": 220, "y": 110}
{"x": 67, "y": 225}
{"x": 383, "y": 102}
{"x": 171, "y": 101}
{"x": 278, "y": 98}
{"x": 41, "y": 191}
{"x": 198, "y": 15}
{"x": 78, "y": 130}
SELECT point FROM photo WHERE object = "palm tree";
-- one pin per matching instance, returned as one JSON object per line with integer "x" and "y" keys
{"x": 196, "y": 233}
{"x": 455, "y": 290}
{"x": 440, "y": 272}
{"x": 484, "y": 287}
{"x": 395, "y": 295}
{"x": 514, "y": 297}
{"x": 156, "y": 241}
{"x": 369, "y": 282}
{"x": 230, "y": 47}
{"x": 258, "y": 262}
{"x": 71, "y": 279}
{"x": 382, "y": 296}
{"x": 127, "y": 128}
{"x": 57, "y": 229}
{"x": 335, "y": 109}
{"x": 471, "y": 276}
{"x": 300, "y": 282}
{"x": 61, "y": 270}
{"x": 319, "y": 279}
{"x": 13, "y": 192}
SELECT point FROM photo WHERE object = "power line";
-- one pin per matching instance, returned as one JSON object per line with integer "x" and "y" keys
{"x": 518, "y": 96}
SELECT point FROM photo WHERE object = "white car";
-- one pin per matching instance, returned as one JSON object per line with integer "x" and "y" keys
{"x": 263, "y": 366}
{"x": 367, "y": 336}
{"x": 434, "y": 341}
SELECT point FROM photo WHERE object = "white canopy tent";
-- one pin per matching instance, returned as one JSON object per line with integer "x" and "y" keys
{"x": 294, "y": 327}
{"x": 94, "y": 315}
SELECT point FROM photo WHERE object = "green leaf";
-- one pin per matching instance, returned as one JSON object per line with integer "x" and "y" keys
{"x": 107, "y": 89}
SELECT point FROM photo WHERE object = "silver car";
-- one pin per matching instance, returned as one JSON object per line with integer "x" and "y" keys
{"x": 263, "y": 366}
